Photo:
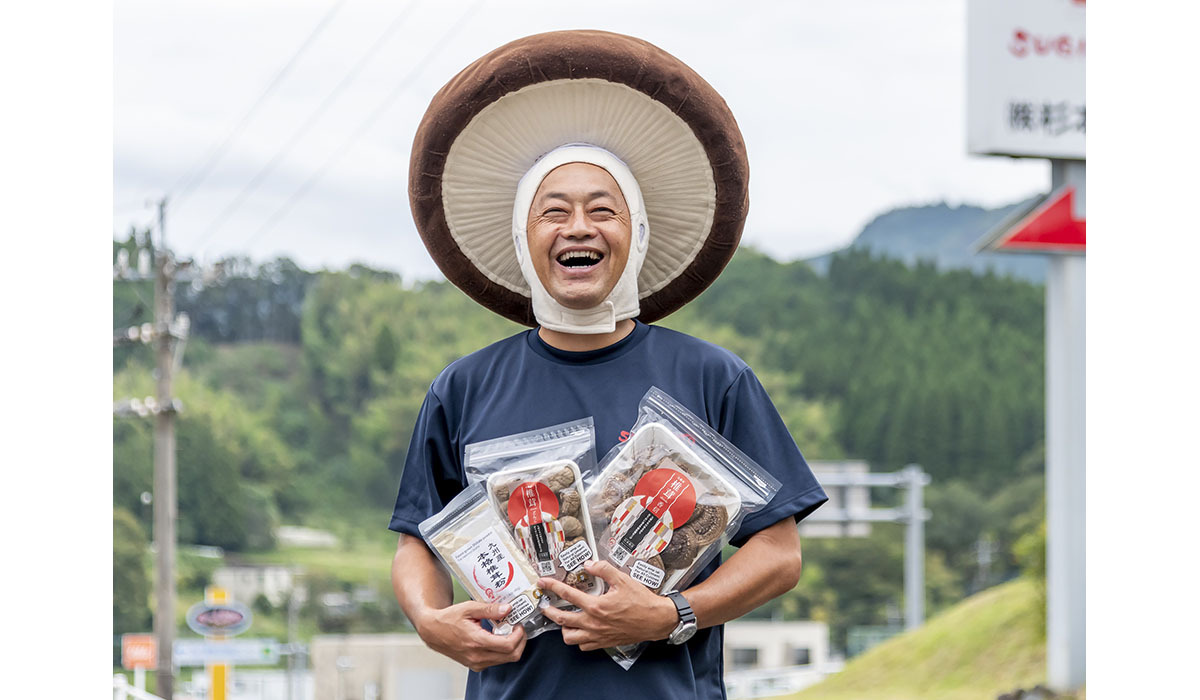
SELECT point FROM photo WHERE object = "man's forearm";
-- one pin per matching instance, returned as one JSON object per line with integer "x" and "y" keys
{"x": 419, "y": 581}
{"x": 767, "y": 566}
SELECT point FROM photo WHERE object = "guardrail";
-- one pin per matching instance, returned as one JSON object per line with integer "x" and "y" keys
{"x": 769, "y": 683}
{"x": 123, "y": 691}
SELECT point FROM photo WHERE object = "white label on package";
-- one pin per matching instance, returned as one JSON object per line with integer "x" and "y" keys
{"x": 490, "y": 570}
{"x": 573, "y": 557}
{"x": 648, "y": 574}
{"x": 521, "y": 607}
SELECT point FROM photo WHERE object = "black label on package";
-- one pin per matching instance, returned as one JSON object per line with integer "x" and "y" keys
{"x": 637, "y": 532}
{"x": 541, "y": 549}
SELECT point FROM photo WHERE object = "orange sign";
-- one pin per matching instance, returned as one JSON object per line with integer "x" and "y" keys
{"x": 139, "y": 651}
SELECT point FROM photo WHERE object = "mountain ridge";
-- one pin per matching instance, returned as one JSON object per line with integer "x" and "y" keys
{"x": 945, "y": 235}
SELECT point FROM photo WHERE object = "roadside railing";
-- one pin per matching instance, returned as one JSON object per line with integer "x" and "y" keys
{"x": 123, "y": 691}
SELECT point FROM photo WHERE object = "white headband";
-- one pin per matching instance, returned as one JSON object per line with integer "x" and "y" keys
{"x": 622, "y": 302}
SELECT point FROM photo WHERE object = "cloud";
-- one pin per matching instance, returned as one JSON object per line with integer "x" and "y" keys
{"x": 848, "y": 109}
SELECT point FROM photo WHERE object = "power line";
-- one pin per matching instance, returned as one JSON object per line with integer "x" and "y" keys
{"x": 365, "y": 125}
{"x": 308, "y": 124}
{"x": 198, "y": 174}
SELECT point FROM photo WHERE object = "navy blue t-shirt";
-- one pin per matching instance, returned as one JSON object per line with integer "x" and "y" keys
{"x": 521, "y": 384}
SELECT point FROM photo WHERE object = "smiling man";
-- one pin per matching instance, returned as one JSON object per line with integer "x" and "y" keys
{"x": 578, "y": 234}
{"x": 586, "y": 184}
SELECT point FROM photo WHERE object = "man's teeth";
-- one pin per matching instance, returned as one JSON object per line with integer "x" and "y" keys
{"x": 581, "y": 255}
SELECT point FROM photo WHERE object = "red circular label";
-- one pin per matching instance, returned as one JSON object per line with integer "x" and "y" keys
{"x": 530, "y": 503}
{"x": 667, "y": 490}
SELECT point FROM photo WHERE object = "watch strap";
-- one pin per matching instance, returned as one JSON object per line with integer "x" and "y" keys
{"x": 682, "y": 606}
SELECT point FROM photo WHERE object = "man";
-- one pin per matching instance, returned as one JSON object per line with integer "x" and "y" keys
{"x": 556, "y": 138}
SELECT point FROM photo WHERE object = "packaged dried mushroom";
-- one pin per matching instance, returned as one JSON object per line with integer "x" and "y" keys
{"x": 666, "y": 499}
{"x": 535, "y": 483}
{"x": 474, "y": 545}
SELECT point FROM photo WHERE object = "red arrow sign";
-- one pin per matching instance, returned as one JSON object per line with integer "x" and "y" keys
{"x": 1051, "y": 227}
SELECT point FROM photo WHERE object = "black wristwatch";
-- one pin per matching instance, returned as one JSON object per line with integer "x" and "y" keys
{"x": 687, "y": 619}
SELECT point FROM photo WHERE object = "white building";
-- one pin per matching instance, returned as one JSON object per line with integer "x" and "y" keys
{"x": 765, "y": 659}
{"x": 246, "y": 583}
{"x": 382, "y": 667}
{"x": 763, "y": 644}
{"x": 310, "y": 538}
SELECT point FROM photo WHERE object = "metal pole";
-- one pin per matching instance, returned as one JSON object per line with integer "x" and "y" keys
{"x": 164, "y": 465}
{"x": 293, "y": 605}
{"x": 1065, "y": 457}
{"x": 914, "y": 549}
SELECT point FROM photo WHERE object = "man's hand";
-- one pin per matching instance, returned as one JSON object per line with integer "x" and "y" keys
{"x": 626, "y": 613}
{"x": 424, "y": 592}
{"x": 455, "y": 632}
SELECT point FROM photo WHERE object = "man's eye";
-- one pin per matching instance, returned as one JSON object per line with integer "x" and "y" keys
{"x": 555, "y": 210}
{"x": 602, "y": 210}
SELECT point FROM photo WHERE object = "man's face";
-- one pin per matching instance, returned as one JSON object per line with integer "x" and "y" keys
{"x": 579, "y": 234}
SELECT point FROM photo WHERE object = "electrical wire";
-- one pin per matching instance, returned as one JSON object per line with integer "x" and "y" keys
{"x": 365, "y": 126}
{"x": 190, "y": 181}
{"x": 329, "y": 100}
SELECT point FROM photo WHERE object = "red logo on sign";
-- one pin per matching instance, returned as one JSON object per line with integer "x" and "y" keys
{"x": 529, "y": 501}
{"x": 1026, "y": 43}
{"x": 220, "y": 617}
{"x": 662, "y": 490}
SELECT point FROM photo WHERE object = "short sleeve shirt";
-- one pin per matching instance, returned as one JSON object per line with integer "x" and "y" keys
{"x": 521, "y": 384}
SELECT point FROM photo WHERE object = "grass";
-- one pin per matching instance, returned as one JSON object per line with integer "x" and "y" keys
{"x": 989, "y": 644}
{"x": 364, "y": 564}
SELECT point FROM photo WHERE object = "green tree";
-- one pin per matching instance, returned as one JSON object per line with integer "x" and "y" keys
{"x": 131, "y": 575}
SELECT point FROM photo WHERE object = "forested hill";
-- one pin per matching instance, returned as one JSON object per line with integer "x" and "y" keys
{"x": 300, "y": 390}
{"x": 944, "y": 235}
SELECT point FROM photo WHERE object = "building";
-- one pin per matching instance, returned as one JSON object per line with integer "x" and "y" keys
{"x": 763, "y": 644}
{"x": 382, "y": 667}
{"x": 246, "y": 583}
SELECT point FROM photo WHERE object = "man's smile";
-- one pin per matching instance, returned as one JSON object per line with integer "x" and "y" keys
{"x": 579, "y": 258}
{"x": 579, "y": 262}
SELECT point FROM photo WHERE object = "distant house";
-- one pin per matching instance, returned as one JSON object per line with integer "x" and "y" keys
{"x": 246, "y": 582}
{"x": 382, "y": 667}
{"x": 763, "y": 644}
{"x": 294, "y": 536}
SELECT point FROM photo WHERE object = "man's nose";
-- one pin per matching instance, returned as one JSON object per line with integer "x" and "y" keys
{"x": 579, "y": 225}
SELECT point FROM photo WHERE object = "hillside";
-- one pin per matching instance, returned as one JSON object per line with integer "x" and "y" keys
{"x": 987, "y": 645}
{"x": 945, "y": 235}
{"x": 301, "y": 390}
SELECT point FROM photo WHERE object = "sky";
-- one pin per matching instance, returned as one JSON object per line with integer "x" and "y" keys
{"x": 848, "y": 110}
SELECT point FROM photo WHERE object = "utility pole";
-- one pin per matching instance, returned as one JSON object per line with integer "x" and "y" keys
{"x": 164, "y": 460}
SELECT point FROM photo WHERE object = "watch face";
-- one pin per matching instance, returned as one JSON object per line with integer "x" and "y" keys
{"x": 683, "y": 633}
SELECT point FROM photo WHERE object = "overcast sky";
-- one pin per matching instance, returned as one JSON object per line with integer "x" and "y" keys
{"x": 848, "y": 109}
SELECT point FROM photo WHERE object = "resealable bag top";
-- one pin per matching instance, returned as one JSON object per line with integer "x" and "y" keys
{"x": 472, "y": 542}
{"x": 536, "y": 482}
{"x": 667, "y": 499}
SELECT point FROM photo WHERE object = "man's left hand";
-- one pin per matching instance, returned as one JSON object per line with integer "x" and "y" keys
{"x": 626, "y": 613}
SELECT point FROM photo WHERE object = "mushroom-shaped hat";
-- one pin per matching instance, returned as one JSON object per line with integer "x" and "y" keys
{"x": 491, "y": 123}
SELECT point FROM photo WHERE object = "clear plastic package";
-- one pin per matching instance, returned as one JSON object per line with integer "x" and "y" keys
{"x": 667, "y": 500}
{"x": 536, "y": 483}
{"x": 472, "y": 542}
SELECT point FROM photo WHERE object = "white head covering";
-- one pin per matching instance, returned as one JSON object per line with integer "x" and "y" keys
{"x": 622, "y": 302}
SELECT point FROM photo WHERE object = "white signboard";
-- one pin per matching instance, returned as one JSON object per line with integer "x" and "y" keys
{"x": 241, "y": 652}
{"x": 1025, "y": 78}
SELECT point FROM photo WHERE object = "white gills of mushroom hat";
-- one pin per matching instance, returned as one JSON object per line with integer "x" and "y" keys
{"x": 622, "y": 302}
{"x": 494, "y": 131}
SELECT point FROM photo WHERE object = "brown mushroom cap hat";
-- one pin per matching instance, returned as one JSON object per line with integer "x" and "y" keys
{"x": 487, "y": 126}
